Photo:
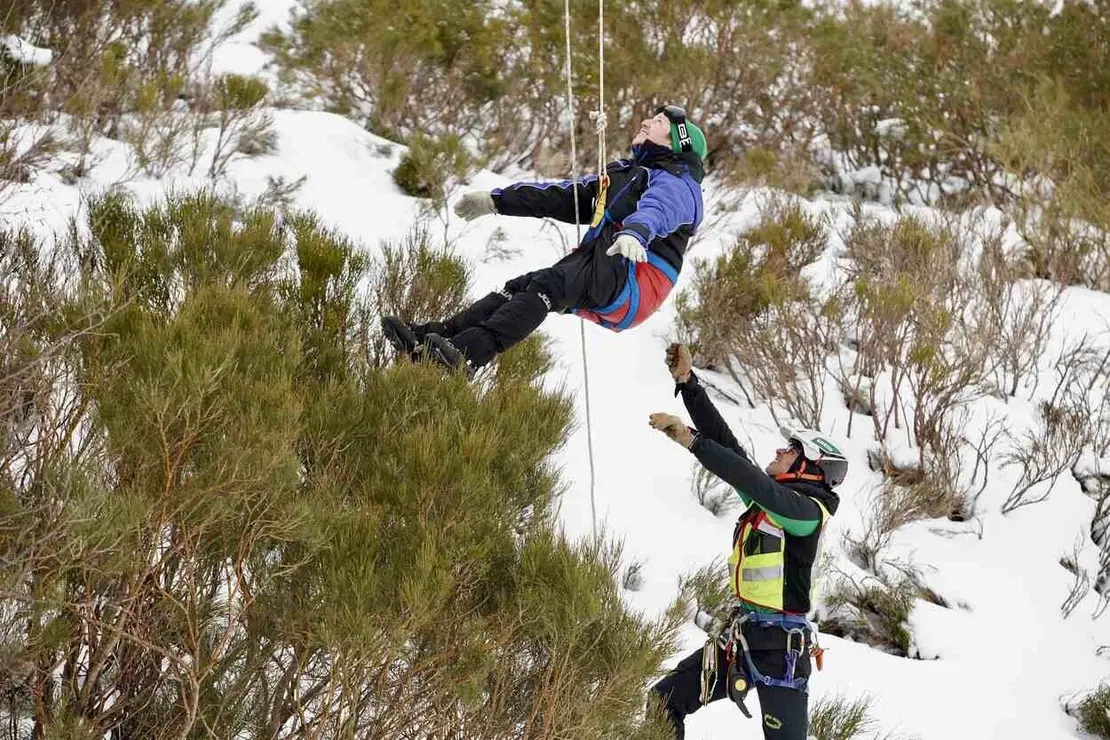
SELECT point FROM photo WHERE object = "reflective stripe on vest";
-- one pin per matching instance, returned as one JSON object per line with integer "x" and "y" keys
{"x": 771, "y": 573}
{"x": 759, "y": 577}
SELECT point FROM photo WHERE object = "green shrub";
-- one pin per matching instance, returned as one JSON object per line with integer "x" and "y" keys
{"x": 136, "y": 71}
{"x": 759, "y": 271}
{"x": 419, "y": 281}
{"x": 1094, "y": 712}
{"x": 428, "y": 166}
{"x": 224, "y": 475}
{"x": 707, "y": 588}
{"x": 838, "y": 718}
{"x": 873, "y": 612}
{"x": 429, "y": 70}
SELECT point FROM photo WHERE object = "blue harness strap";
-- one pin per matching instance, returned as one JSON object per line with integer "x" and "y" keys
{"x": 630, "y": 293}
{"x": 793, "y": 625}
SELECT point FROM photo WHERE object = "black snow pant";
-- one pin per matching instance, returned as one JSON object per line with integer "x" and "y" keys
{"x": 586, "y": 278}
{"x": 784, "y": 712}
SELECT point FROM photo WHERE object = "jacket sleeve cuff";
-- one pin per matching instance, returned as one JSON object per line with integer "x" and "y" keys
{"x": 696, "y": 444}
{"x": 691, "y": 384}
{"x": 637, "y": 230}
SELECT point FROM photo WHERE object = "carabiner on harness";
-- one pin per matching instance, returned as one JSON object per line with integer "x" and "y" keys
{"x": 793, "y": 654}
{"x": 816, "y": 651}
{"x": 738, "y": 683}
{"x": 708, "y": 671}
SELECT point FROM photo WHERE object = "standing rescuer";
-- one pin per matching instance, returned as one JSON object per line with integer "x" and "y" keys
{"x": 767, "y": 641}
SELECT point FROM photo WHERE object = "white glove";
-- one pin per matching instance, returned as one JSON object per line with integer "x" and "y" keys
{"x": 628, "y": 246}
{"x": 474, "y": 204}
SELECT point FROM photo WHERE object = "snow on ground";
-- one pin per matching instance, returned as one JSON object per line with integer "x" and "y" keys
{"x": 996, "y": 664}
{"x": 24, "y": 52}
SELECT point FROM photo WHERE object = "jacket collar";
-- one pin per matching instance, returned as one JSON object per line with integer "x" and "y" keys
{"x": 827, "y": 496}
{"x": 650, "y": 154}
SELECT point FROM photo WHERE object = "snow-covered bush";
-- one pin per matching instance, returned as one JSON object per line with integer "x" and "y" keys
{"x": 1041, "y": 454}
{"x": 140, "y": 72}
{"x": 707, "y": 588}
{"x": 1023, "y": 309}
{"x": 751, "y": 312}
{"x": 1093, "y": 712}
{"x": 712, "y": 493}
{"x": 873, "y": 610}
{"x": 633, "y": 578}
{"x": 893, "y": 504}
{"x": 907, "y": 289}
{"x": 840, "y": 718}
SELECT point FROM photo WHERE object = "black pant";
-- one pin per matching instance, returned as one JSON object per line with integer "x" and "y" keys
{"x": 586, "y": 278}
{"x": 784, "y": 712}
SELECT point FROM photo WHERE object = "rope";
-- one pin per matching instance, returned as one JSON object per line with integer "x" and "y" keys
{"x": 602, "y": 155}
{"x": 573, "y": 138}
{"x": 599, "y": 117}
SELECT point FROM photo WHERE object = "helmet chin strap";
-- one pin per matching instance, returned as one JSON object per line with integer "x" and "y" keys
{"x": 800, "y": 473}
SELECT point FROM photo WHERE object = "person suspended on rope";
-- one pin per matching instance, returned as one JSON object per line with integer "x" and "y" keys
{"x": 765, "y": 639}
{"x": 621, "y": 272}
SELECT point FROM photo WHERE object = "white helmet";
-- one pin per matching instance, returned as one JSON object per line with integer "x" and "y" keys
{"x": 817, "y": 449}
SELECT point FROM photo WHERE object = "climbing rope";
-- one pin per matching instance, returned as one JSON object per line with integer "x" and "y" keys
{"x": 598, "y": 117}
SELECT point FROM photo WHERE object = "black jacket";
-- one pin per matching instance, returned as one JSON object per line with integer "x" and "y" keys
{"x": 790, "y": 502}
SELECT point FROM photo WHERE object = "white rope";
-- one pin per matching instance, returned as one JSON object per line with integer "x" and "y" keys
{"x": 573, "y": 138}
{"x": 602, "y": 155}
{"x": 578, "y": 228}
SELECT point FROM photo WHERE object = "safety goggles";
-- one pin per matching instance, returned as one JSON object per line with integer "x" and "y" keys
{"x": 677, "y": 115}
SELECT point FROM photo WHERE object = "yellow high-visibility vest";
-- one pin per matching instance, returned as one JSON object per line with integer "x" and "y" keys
{"x": 758, "y": 561}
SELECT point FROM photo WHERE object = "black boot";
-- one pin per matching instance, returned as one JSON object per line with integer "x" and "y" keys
{"x": 441, "y": 351}
{"x": 407, "y": 338}
{"x": 401, "y": 336}
{"x": 513, "y": 321}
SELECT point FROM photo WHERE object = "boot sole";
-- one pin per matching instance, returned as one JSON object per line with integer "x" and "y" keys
{"x": 438, "y": 353}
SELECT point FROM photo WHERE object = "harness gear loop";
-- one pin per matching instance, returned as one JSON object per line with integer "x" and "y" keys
{"x": 738, "y": 684}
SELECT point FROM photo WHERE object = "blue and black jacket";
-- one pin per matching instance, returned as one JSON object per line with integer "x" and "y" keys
{"x": 655, "y": 196}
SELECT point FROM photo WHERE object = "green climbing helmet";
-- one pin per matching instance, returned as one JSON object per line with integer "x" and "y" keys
{"x": 817, "y": 449}
{"x": 685, "y": 136}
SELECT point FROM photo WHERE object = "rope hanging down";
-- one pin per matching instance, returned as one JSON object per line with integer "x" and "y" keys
{"x": 598, "y": 117}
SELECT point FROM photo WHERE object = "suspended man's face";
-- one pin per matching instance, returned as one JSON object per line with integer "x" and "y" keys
{"x": 656, "y": 129}
{"x": 784, "y": 458}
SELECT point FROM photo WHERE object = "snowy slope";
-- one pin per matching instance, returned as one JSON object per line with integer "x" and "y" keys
{"x": 999, "y": 661}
